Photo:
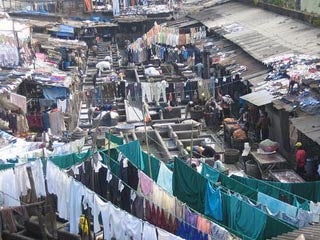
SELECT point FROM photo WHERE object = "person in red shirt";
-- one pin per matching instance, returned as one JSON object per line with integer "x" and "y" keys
{"x": 301, "y": 157}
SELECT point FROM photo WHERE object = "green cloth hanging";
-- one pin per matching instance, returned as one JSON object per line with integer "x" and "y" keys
{"x": 246, "y": 219}
{"x": 188, "y": 186}
{"x": 113, "y": 163}
{"x": 210, "y": 173}
{"x": 5, "y": 166}
{"x": 114, "y": 139}
{"x": 133, "y": 152}
{"x": 238, "y": 187}
{"x": 155, "y": 166}
{"x": 67, "y": 161}
{"x": 307, "y": 190}
{"x": 304, "y": 205}
{"x": 170, "y": 165}
{"x": 275, "y": 228}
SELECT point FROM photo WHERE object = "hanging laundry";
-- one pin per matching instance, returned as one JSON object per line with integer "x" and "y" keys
{"x": 165, "y": 178}
{"x": 213, "y": 203}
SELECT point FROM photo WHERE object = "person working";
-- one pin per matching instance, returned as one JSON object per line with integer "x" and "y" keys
{"x": 202, "y": 151}
{"x": 263, "y": 125}
{"x": 94, "y": 78}
{"x": 95, "y": 50}
{"x": 301, "y": 158}
{"x": 196, "y": 151}
{"x": 218, "y": 165}
{"x": 208, "y": 151}
{"x": 189, "y": 108}
{"x": 243, "y": 120}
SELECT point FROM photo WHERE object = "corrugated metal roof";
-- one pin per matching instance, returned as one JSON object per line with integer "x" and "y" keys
{"x": 183, "y": 22}
{"x": 309, "y": 233}
{"x": 309, "y": 126}
{"x": 256, "y": 78}
{"x": 259, "y": 32}
{"x": 259, "y": 98}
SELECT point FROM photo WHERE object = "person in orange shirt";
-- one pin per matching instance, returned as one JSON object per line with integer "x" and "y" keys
{"x": 301, "y": 158}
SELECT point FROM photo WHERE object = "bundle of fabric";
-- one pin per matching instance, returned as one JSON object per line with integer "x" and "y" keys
{"x": 239, "y": 134}
{"x": 268, "y": 145}
{"x": 230, "y": 120}
{"x": 227, "y": 99}
{"x": 151, "y": 71}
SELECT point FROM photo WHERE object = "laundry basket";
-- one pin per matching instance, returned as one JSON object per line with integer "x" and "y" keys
{"x": 231, "y": 155}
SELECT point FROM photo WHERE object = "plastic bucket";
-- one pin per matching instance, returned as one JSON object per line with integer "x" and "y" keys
{"x": 311, "y": 167}
{"x": 252, "y": 169}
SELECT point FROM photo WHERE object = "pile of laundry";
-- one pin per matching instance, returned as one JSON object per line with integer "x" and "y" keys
{"x": 292, "y": 66}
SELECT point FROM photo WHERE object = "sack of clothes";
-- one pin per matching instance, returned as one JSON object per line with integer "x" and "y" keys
{"x": 268, "y": 145}
{"x": 239, "y": 134}
{"x": 230, "y": 120}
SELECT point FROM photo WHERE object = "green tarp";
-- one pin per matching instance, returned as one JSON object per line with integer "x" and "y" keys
{"x": 188, "y": 186}
{"x": 67, "y": 161}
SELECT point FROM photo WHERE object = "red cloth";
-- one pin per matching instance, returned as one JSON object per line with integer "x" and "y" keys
{"x": 172, "y": 224}
{"x": 151, "y": 214}
{"x": 35, "y": 121}
{"x": 301, "y": 157}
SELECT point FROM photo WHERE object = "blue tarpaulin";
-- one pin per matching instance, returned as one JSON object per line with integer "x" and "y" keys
{"x": 54, "y": 92}
{"x": 66, "y": 28}
{"x": 65, "y": 31}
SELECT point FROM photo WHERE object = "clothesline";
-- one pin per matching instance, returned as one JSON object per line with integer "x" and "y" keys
{"x": 195, "y": 211}
{"x": 102, "y": 198}
{"x": 284, "y": 224}
{"x": 149, "y": 199}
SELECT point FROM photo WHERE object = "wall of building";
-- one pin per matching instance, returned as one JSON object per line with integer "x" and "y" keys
{"x": 279, "y": 129}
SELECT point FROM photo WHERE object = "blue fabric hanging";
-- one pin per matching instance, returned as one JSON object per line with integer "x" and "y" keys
{"x": 213, "y": 203}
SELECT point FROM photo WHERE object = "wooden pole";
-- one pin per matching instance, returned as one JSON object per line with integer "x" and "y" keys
{"x": 109, "y": 146}
{"x": 191, "y": 151}
{"x": 34, "y": 199}
{"x": 146, "y": 139}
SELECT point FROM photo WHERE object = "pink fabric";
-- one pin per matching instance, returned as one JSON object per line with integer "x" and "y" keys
{"x": 145, "y": 183}
{"x": 41, "y": 56}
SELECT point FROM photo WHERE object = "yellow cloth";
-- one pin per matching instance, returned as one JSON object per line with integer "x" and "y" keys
{"x": 84, "y": 226}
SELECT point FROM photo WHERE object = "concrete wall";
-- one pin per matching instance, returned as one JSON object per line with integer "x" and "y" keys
{"x": 279, "y": 129}
{"x": 310, "y": 6}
